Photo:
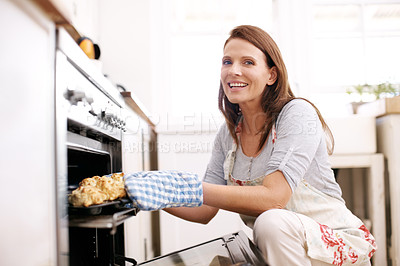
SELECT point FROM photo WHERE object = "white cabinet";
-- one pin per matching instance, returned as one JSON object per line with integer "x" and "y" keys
{"x": 388, "y": 132}
{"x": 27, "y": 159}
{"x": 140, "y": 230}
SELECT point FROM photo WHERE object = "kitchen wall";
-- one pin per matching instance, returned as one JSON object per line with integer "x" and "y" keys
{"x": 27, "y": 158}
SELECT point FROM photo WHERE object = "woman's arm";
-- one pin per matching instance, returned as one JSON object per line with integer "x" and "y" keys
{"x": 274, "y": 193}
{"x": 202, "y": 214}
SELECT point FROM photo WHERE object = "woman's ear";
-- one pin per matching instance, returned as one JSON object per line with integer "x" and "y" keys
{"x": 273, "y": 76}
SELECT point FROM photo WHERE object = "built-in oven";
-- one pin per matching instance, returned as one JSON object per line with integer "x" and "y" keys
{"x": 88, "y": 133}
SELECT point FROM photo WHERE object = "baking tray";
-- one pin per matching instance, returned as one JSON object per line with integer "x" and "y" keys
{"x": 108, "y": 207}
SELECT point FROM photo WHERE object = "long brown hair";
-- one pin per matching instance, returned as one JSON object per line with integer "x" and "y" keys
{"x": 274, "y": 96}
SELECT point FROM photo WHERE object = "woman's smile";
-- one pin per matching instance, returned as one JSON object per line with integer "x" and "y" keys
{"x": 237, "y": 86}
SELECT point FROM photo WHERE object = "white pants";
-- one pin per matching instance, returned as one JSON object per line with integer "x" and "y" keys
{"x": 280, "y": 236}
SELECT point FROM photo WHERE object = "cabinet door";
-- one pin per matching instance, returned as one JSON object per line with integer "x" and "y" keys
{"x": 388, "y": 131}
{"x": 135, "y": 149}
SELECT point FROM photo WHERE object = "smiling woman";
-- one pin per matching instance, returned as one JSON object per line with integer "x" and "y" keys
{"x": 270, "y": 164}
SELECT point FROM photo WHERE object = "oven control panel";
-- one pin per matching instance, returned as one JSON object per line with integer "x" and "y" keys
{"x": 89, "y": 108}
{"x": 106, "y": 114}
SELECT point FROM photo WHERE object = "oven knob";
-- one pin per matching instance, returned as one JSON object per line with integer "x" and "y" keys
{"x": 117, "y": 122}
{"x": 108, "y": 119}
{"x": 93, "y": 113}
{"x": 74, "y": 96}
{"x": 89, "y": 100}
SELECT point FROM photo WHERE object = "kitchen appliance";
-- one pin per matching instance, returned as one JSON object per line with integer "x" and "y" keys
{"x": 89, "y": 130}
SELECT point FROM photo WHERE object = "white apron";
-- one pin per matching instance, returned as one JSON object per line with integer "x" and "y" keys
{"x": 333, "y": 234}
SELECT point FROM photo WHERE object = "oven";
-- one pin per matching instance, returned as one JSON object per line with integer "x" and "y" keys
{"x": 89, "y": 127}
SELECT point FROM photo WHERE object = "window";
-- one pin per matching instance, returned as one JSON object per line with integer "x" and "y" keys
{"x": 195, "y": 35}
{"x": 355, "y": 42}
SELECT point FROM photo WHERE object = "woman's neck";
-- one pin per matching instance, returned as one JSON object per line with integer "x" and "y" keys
{"x": 254, "y": 120}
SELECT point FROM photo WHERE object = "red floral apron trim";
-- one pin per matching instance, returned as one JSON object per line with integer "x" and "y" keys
{"x": 333, "y": 240}
{"x": 239, "y": 182}
{"x": 369, "y": 238}
{"x": 273, "y": 134}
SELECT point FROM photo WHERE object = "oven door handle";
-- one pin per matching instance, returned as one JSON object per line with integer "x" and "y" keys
{"x": 120, "y": 258}
{"x": 85, "y": 148}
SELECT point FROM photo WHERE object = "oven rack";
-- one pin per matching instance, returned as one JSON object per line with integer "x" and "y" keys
{"x": 102, "y": 221}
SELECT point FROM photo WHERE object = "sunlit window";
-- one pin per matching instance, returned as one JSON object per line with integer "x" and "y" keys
{"x": 197, "y": 32}
{"x": 355, "y": 44}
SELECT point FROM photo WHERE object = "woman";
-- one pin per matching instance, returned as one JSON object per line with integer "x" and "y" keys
{"x": 270, "y": 164}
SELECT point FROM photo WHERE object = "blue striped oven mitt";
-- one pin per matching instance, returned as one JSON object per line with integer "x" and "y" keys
{"x": 155, "y": 190}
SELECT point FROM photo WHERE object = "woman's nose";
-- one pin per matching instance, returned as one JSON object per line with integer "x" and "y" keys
{"x": 235, "y": 70}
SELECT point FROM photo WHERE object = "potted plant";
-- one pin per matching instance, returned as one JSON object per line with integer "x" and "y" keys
{"x": 368, "y": 93}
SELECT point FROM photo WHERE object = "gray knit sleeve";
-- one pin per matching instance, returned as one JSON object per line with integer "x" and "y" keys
{"x": 299, "y": 133}
{"x": 215, "y": 170}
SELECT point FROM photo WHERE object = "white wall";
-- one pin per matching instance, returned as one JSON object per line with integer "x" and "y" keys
{"x": 27, "y": 159}
{"x": 124, "y": 40}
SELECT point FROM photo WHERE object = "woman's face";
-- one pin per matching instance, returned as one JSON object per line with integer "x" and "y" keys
{"x": 244, "y": 72}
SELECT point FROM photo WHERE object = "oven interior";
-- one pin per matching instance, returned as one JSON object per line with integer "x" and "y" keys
{"x": 80, "y": 165}
{"x": 91, "y": 240}
{"x": 95, "y": 246}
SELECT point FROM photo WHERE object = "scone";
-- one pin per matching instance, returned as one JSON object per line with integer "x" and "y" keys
{"x": 111, "y": 187}
{"x": 90, "y": 181}
{"x": 86, "y": 196}
{"x": 96, "y": 190}
{"x": 119, "y": 180}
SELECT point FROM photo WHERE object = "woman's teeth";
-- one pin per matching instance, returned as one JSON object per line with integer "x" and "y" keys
{"x": 237, "y": 85}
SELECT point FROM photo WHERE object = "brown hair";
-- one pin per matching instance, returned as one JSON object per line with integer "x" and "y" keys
{"x": 275, "y": 96}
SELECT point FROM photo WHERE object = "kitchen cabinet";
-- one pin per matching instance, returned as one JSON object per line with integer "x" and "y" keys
{"x": 388, "y": 132}
{"x": 78, "y": 17}
{"x": 27, "y": 160}
{"x": 141, "y": 233}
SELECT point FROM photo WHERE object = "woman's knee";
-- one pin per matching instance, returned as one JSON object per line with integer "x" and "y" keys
{"x": 272, "y": 224}
{"x": 268, "y": 224}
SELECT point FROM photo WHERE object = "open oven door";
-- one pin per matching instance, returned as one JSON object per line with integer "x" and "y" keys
{"x": 232, "y": 249}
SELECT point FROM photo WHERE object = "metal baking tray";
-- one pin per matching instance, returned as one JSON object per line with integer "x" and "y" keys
{"x": 108, "y": 207}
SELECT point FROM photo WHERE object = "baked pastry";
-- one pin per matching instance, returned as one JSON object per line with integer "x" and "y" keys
{"x": 86, "y": 196}
{"x": 90, "y": 181}
{"x": 118, "y": 177}
{"x": 111, "y": 187}
{"x": 96, "y": 190}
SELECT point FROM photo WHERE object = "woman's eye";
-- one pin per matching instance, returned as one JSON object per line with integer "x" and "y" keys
{"x": 226, "y": 62}
{"x": 248, "y": 62}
